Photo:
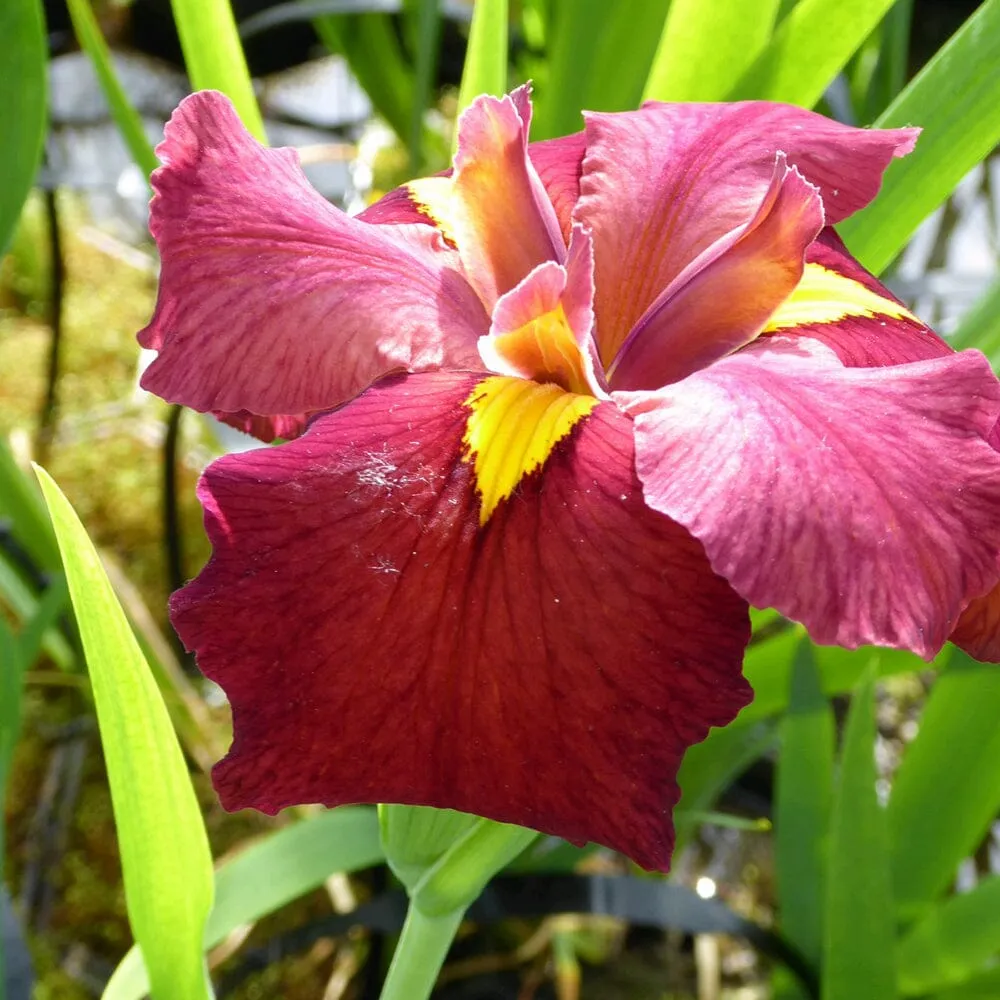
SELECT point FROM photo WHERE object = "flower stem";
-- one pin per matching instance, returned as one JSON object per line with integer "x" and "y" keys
{"x": 421, "y": 952}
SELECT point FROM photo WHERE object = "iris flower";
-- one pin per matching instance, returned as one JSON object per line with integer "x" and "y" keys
{"x": 568, "y": 411}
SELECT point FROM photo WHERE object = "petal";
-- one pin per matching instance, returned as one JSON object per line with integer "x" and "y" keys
{"x": 978, "y": 630}
{"x": 273, "y": 301}
{"x": 726, "y": 297}
{"x": 267, "y": 429}
{"x": 862, "y": 502}
{"x": 543, "y": 328}
{"x": 378, "y": 643}
{"x": 501, "y": 217}
{"x": 559, "y": 163}
{"x": 662, "y": 184}
{"x": 841, "y": 304}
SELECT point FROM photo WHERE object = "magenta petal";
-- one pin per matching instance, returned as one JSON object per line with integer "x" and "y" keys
{"x": 559, "y": 163}
{"x": 724, "y": 299}
{"x": 862, "y": 502}
{"x": 548, "y": 668}
{"x": 660, "y": 185}
{"x": 273, "y": 301}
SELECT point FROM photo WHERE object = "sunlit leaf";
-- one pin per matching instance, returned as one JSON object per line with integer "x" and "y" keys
{"x": 859, "y": 933}
{"x": 705, "y": 47}
{"x": 808, "y": 49}
{"x": 803, "y": 792}
{"x": 214, "y": 58}
{"x": 956, "y": 99}
{"x": 485, "y": 70}
{"x": 165, "y": 857}
{"x": 273, "y": 871}
{"x": 947, "y": 790}
{"x": 24, "y": 58}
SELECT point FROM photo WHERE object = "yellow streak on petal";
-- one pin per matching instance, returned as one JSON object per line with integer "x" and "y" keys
{"x": 545, "y": 349}
{"x": 824, "y": 296}
{"x": 513, "y": 426}
{"x": 433, "y": 197}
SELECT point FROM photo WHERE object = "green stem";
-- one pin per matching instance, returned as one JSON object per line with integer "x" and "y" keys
{"x": 422, "y": 949}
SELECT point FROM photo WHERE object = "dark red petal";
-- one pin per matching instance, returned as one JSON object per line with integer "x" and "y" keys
{"x": 547, "y": 668}
{"x": 267, "y": 429}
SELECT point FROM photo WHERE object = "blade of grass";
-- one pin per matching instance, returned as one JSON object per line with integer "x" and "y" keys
{"x": 88, "y": 34}
{"x": 947, "y": 790}
{"x": 705, "y": 47}
{"x": 859, "y": 935}
{"x": 954, "y": 940}
{"x": 166, "y": 863}
{"x": 956, "y": 98}
{"x": 802, "y": 806}
{"x": 214, "y": 56}
{"x": 270, "y": 873}
{"x": 585, "y": 66}
{"x": 808, "y": 49}
{"x": 485, "y": 70}
{"x": 23, "y": 67}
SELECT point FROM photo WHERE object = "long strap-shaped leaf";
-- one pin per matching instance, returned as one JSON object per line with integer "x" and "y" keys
{"x": 705, "y": 47}
{"x": 485, "y": 70}
{"x": 859, "y": 937}
{"x": 23, "y": 55}
{"x": 166, "y": 863}
{"x": 956, "y": 99}
{"x": 809, "y": 48}
{"x": 214, "y": 56}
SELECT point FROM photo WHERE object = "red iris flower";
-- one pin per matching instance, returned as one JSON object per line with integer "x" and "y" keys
{"x": 570, "y": 409}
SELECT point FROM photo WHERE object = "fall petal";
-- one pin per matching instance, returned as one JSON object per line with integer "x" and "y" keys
{"x": 841, "y": 304}
{"x": 859, "y": 501}
{"x": 380, "y": 639}
{"x": 722, "y": 303}
{"x": 273, "y": 301}
{"x": 661, "y": 184}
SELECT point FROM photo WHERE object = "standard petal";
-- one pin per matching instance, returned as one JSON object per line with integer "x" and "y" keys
{"x": 978, "y": 630}
{"x": 503, "y": 222}
{"x": 543, "y": 328}
{"x": 662, "y": 184}
{"x": 841, "y": 304}
{"x": 273, "y": 301}
{"x": 559, "y": 163}
{"x": 378, "y": 643}
{"x": 267, "y": 429}
{"x": 863, "y": 502}
{"x": 723, "y": 301}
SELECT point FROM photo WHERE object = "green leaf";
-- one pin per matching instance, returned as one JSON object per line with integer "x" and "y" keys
{"x": 273, "y": 871}
{"x": 586, "y": 68}
{"x": 953, "y": 941}
{"x": 802, "y": 807}
{"x": 808, "y": 49}
{"x": 984, "y": 987}
{"x": 947, "y": 790}
{"x": 859, "y": 935}
{"x": 485, "y": 70}
{"x": 705, "y": 47}
{"x": 956, "y": 99}
{"x": 164, "y": 851}
{"x": 214, "y": 56}
{"x": 88, "y": 34}
{"x": 24, "y": 58}
{"x": 369, "y": 44}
